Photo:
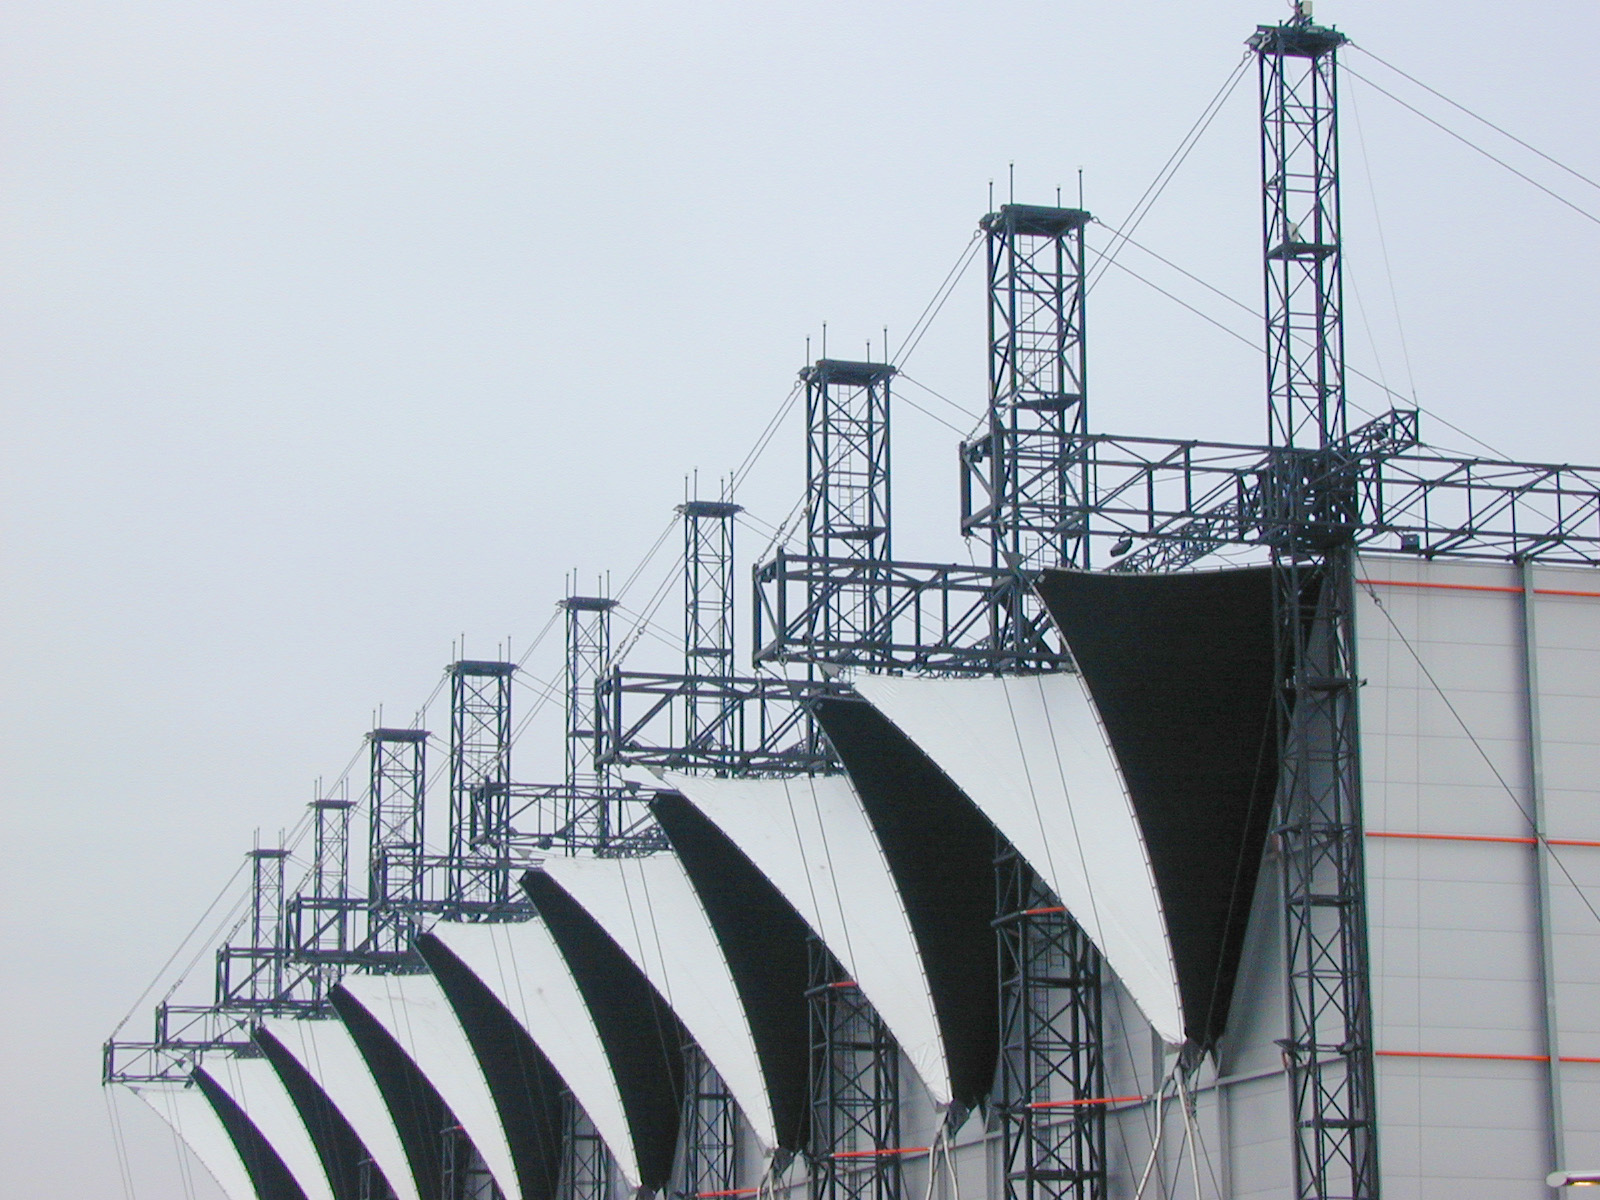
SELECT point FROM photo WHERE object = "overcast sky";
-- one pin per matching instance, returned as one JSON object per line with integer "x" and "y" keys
{"x": 336, "y": 331}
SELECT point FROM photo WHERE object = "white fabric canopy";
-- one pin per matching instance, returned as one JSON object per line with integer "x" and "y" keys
{"x": 810, "y": 836}
{"x": 1031, "y": 753}
{"x": 414, "y": 1011}
{"x": 330, "y": 1056}
{"x": 524, "y": 968}
{"x": 189, "y": 1113}
{"x": 650, "y": 909}
{"x": 254, "y": 1086}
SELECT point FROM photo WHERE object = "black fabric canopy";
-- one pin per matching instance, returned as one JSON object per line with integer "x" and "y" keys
{"x": 1181, "y": 669}
{"x": 764, "y": 940}
{"x": 940, "y": 850}
{"x": 642, "y": 1036}
{"x": 338, "y": 1145}
{"x": 269, "y": 1176}
{"x": 525, "y": 1087}
{"x": 419, "y": 1113}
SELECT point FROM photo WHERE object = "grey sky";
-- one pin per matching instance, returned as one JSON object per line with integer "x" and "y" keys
{"x": 335, "y": 330}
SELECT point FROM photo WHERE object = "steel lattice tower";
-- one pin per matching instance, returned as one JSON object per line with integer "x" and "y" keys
{"x": 263, "y": 959}
{"x": 710, "y": 1124}
{"x": 319, "y": 917}
{"x": 480, "y": 786}
{"x": 1310, "y": 508}
{"x": 1052, "y": 1069}
{"x": 709, "y": 714}
{"x": 397, "y": 782}
{"x": 855, "y": 1090}
{"x": 847, "y": 503}
{"x": 1022, "y": 489}
{"x": 589, "y": 820}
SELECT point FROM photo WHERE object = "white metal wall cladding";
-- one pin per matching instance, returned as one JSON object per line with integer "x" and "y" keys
{"x": 254, "y": 1086}
{"x": 1451, "y": 865}
{"x": 192, "y": 1118}
{"x": 649, "y": 908}
{"x": 1031, "y": 754}
{"x": 414, "y": 1011}
{"x": 811, "y": 838}
{"x": 524, "y": 968}
{"x": 329, "y": 1055}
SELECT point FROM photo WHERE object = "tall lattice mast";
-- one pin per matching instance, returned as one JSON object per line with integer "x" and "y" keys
{"x": 1311, "y": 506}
{"x": 708, "y": 654}
{"x": 847, "y": 505}
{"x": 397, "y": 783}
{"x": 480, "y": 786}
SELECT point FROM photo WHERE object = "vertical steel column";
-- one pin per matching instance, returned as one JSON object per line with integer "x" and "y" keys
{"x": 480, "y": 786}
{"x": 585, "y": 1172}
{"x": 396, "y": 792}
{"x": 1309, "y": 506}
{"x": 710, "y": 1165}
{"x": 847, "y": 505}
{"x": 1547, "y": 947}
{"x": 855, "y": 1090}
{"x": 709, "y": 715}
{"x": 1052, "y": 1069}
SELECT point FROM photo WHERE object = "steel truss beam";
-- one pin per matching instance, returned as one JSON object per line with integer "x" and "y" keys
{"x": 855, "y": 1090}
{"x": 769, "y": 730}
{"x": 934, "y": 617}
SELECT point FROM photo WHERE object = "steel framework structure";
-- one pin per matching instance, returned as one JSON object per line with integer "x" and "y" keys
{"x": 855, "y": 1090}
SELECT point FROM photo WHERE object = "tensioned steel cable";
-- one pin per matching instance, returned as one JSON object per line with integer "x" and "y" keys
{"x": 1164, "y": 176}
{"x": 1472, "y": 145}
{"x": 1506, "y": 133}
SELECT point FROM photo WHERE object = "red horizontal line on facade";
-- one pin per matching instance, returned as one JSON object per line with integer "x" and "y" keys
{"x": 1544, "y": 1058}
{"x": 880, "y": 1153}
{"x": 843, "y": 983}
{"x": 1080, "y": 1103}
{"x": 1476, "y": 587}
{"x": 1042, "y": 912}
{"x": 1479, "y": 837}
